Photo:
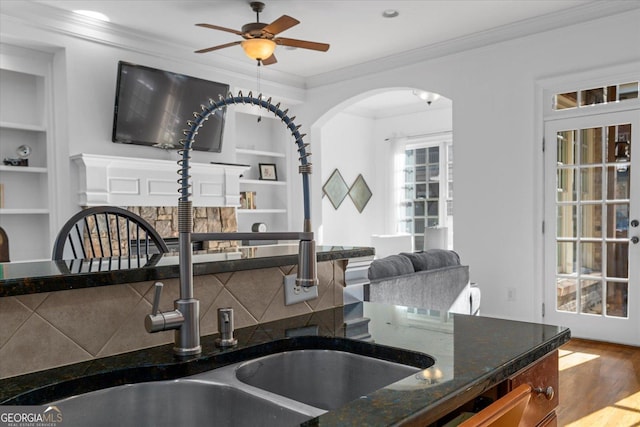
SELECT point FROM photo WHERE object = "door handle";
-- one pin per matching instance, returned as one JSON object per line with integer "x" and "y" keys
{"x": 634, "y": 223}
{"x": 635, "y": 239}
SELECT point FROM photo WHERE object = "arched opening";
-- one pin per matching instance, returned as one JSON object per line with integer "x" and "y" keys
{"x": 387, "y": 171}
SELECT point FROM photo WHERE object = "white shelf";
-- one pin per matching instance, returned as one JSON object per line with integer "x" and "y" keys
{"x": 262, "y": 182}
{"x": 22, "y": 126}
{"x": 260, "y": 211}
{"x": 23, "y": 211}
{"x": 23, "y": 169}
{"x": 259, "y": 153}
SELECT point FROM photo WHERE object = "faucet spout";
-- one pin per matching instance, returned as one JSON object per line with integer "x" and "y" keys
{"x": 185, "y": 317}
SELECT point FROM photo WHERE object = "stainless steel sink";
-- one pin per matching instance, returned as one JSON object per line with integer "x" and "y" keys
{"x": 175, "y": 403}
{"x": 325, "y": 379}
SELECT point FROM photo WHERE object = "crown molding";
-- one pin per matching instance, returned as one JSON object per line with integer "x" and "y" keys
{"x": 569, "y": 17}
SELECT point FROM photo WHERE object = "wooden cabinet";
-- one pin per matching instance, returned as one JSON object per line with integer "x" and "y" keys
{"x": 26, "y": 213}
{"x": 542, "y": 376}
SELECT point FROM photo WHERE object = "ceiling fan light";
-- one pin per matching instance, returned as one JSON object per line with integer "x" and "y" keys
{"x": 258, "y": 49}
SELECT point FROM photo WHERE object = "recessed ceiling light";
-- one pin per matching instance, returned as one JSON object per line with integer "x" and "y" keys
{"x": 93, "y": 14}
{"x": 390, "y": 13}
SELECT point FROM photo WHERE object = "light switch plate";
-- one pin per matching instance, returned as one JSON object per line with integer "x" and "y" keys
{"x": 294, "y": 294}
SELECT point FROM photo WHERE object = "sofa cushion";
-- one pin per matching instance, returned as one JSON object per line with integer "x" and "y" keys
{"x": 391, "y": 266}
{"x": 432, "y": 259}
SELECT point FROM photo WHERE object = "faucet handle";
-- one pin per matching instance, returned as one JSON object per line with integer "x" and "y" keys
{"x": 156, "y": 298}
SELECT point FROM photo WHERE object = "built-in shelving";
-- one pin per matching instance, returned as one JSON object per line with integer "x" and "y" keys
{"x": 22, "y": 126}
{"x": 252, "y": 152}
{"x": 266, "y": 141}
{"x": 27, "y": 213}
{"x": 22, "y": 169}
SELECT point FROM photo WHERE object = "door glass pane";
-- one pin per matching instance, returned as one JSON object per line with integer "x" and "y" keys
{"x": 566, "y": 185}
{"x": 591, "y": 258}
{"x": 618, "y": 260}
{"x": 566, "y": 147}
{"x": 591, "y": 220}
{"x": 566, "y": 100}
{"x": 567, "y": 221}
{"x": 421, "y": 156}
{"x": 566, "y": 258}
{"x": 618, "y": 143}
{"x": 628, "y": 91}
{"x": 591, "y": 183}
{"x": 591, "y": 146}
{"x": 618, "y": 183}
{"x": 418, "y": 209}
{"x": 618, "y": 215}
{"x": 566, "y": 294}
{"x": 421, "y": 173}
{"x": 591, "y": 296}
{"x": 592, "y": 96}
{"x": 617, "y": 294}
{"x": 421, "y": 191}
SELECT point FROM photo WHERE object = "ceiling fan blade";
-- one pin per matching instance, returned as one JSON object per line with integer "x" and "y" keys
{"x": 279, "y": 25}
{"x": 222, "y": 46}
{"x": 302, "y": 44}
{"x": 270, "y": 60}
{"x": 215, "y": 27}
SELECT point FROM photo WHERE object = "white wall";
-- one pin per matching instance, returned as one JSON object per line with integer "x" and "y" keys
{"x": 349, "y": 145}
{"x": 497, "y": 133}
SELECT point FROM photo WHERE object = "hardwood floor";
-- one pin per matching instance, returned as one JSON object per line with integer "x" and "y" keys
{"x": 599, "y": 385}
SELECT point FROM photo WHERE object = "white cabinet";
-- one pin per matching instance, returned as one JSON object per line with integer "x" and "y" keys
{"x": 26, "y": 211}
{"x": 264, "y": 141}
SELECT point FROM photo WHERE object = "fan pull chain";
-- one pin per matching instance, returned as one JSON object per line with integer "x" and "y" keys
{"x": 258, "y": 75}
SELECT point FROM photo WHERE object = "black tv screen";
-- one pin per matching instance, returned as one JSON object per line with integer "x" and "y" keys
{"x": 152, "y": 108}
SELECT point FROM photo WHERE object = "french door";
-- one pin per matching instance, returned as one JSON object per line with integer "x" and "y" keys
{"x": 592, "y": 209}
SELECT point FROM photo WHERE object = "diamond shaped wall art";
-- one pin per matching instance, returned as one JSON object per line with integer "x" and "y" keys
{"x": 335, "y": 189}
{"x": 360, "y": 193}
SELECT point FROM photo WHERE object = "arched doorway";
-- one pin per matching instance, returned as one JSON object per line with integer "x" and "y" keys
{"x": 366, "y": 138}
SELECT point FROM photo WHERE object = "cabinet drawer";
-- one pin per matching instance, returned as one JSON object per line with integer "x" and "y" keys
{"x": 540, "y": 375}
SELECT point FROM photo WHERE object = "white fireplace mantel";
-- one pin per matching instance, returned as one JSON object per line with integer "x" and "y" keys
{"x": 126, "y": 181}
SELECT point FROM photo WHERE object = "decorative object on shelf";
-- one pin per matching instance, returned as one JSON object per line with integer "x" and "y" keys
{"x": 335, "y": 188}
{"x": 360, "y": 193}
{"x": 268, "y": 172}
{"x": 23, "y": 153}
{"x": 259, "y": 227}
{"x": 247, "y": 200}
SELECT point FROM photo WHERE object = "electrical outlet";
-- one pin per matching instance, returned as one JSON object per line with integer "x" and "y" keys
{"x": 511, "y": 294}
{"x": 294, "y": 294}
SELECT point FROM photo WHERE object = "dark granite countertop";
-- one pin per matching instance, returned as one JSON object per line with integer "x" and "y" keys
{"x": 46, "y": 276}
{"x": 472, "y": 354}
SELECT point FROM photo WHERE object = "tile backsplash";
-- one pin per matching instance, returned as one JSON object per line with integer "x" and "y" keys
{"x": 42, "y": 331}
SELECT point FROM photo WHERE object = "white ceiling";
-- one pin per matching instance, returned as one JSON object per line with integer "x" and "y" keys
{"x": 361, "y": 38}
{"x": 355, "y": 29}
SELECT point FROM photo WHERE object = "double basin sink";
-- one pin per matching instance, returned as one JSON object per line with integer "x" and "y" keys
{"x": 281, "y": 389}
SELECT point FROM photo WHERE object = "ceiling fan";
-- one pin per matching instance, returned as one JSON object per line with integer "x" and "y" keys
{"x": 260, "y": 38}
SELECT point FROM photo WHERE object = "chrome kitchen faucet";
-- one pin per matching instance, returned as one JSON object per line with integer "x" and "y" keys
{"x": 184, "y": 319}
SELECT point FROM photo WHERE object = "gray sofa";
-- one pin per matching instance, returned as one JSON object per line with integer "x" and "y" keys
{"x": 433, "y": 279}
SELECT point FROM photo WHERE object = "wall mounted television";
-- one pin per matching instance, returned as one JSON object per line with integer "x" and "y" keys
{"x": 152, "y": 108}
